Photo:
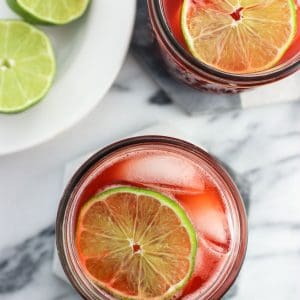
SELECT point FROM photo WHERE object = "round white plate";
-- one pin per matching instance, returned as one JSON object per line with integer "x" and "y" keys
{"x": 89, "y": 54}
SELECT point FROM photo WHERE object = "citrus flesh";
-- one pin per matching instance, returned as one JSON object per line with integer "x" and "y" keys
{"x": 239, "y": 36}
{"x": 50, "y": 11}
{"x": 136, "y": 243}
{"x": 27, "y": 66}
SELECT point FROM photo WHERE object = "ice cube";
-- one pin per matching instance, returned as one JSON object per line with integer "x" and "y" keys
{"x": 164, "y": 171}
{"x": 209, "y": 217}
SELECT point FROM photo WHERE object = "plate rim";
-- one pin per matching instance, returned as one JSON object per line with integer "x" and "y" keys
{"x": 85, "y": 112}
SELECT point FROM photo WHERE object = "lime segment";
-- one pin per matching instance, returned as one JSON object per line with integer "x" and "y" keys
{"x": 27, "y": 66}
{"x": 239, "y": 36}
{"x": 50, "y": 11}
{"x": 136, "y": 243}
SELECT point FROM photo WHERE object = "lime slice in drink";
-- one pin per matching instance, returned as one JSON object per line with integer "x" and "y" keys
{"x": 49, "y": 11}
{"x": 136, "y": 243}
{"x": 239, "y": 36}
{"x": 27, "y": 66}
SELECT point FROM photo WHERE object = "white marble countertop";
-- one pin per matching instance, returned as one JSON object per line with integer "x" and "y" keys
{"x": 261, "y": 144}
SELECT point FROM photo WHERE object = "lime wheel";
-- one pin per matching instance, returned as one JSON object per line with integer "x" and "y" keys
{"x": 56, "y": 12}
{"x": 27, "y": 66}
{"x": 136, "y": 243}
{"x": 239, "y": 36}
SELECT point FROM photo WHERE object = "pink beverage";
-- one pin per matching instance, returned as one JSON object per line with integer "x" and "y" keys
{"x": 191, "y": 177}
{"x": 165, "y": 16}
{"x": 172, "y": 10}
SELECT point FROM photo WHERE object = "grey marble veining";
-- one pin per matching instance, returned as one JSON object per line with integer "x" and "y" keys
{"x": 19, "y": 263}
{"x": 262, "y": 145}
{"x": 25, "y": 270}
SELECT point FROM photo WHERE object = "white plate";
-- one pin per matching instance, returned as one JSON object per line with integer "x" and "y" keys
{"x": 89, "y": 55}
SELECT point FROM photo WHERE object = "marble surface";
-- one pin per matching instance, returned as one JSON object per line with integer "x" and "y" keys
{"x": 261, "y": 144}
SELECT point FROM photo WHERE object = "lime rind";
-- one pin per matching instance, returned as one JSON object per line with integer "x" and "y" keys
{"x": 164, "y": 200}
{"x": 189, "y": 39}
{"x": 10, "y": 109}
{"x": 294, "y": 23}
{"x": 24, "y": 14}
{"x": 31, "y": 15}
{"x": 292, "y": 36}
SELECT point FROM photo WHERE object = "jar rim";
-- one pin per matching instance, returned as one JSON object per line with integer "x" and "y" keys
{"x": 80, "y": 283}
{"x": 263, "y": 76}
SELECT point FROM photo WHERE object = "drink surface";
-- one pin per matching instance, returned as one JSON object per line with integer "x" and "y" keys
{"x": 186, "y": 180}
{"x": 172, "y": 12}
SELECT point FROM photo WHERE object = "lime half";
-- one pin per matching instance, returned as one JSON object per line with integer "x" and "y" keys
{"x": 136, "y": 243}
{"x": 27, "y": 66}
{"x": 239, "y": 36}
{"x": 49, "y": 11}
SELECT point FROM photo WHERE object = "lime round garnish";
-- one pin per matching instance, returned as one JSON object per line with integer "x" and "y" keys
{"x": 136, "y": 243}
{"x": 239, "y": 36}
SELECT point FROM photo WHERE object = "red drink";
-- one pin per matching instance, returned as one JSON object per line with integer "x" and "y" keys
{"x": 184, "y": 173}
{"x": 165, "y": 17}
{"x": 172, "y": 10}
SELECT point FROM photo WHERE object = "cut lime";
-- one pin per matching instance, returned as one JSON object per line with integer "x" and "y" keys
{"x": 239, "y": 36}
{"x": 49, "y": 11}
{"x": 27, "y": 66}
{"x": 136, "y": 243}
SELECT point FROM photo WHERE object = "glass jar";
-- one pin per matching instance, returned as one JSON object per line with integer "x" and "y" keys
{"x": 187, "y": 69}
{"x": 70, "y": 205}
